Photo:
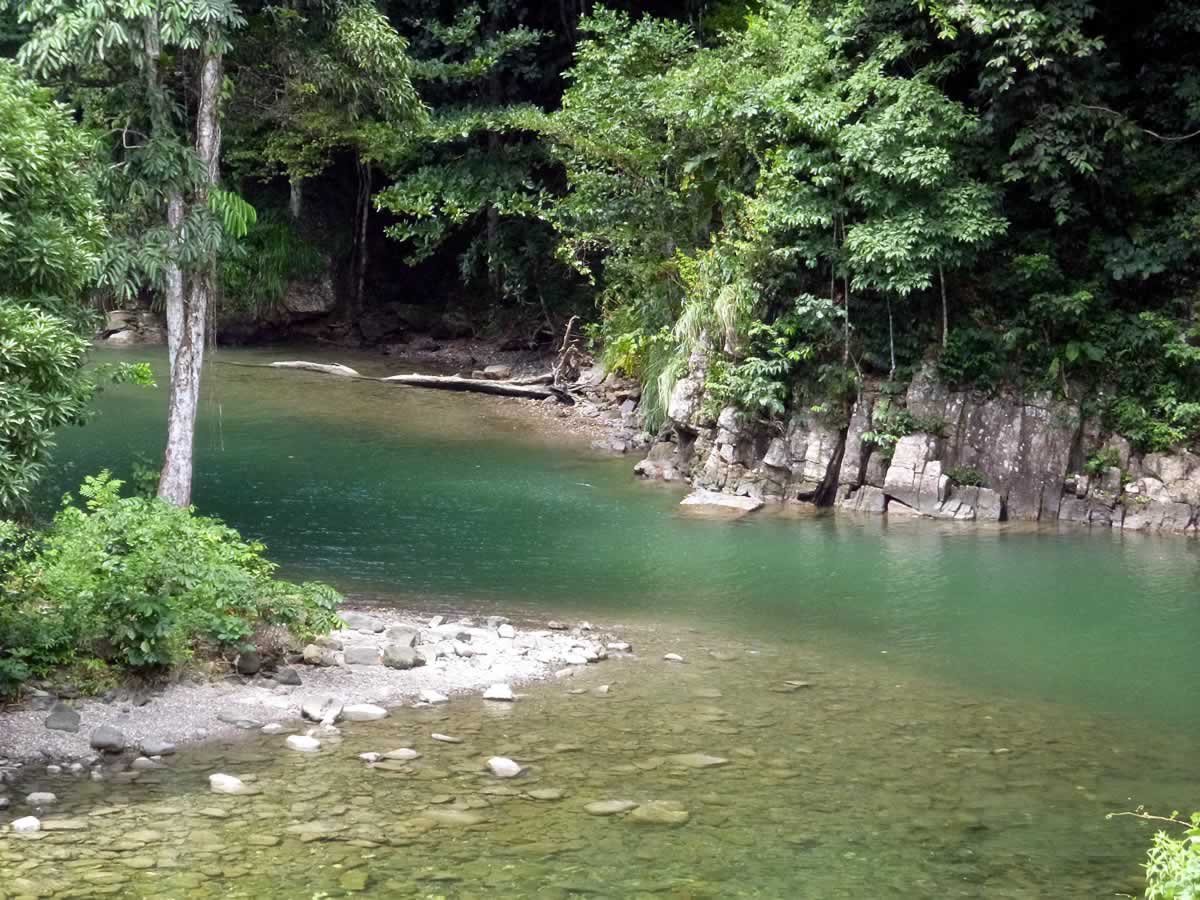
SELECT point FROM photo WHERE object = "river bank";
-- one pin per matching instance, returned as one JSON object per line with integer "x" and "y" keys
{"x": 383, "y": 657}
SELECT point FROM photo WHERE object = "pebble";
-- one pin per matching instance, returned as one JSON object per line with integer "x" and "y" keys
{"x": 303, "y": 743}
{"x": 499, "y": 692}
{"x": 503, "y": 767}
{"x": 41, "y": 798}
{"x": 446, "y": 739}
{"x": 619, "y": 647}
{"x": 27, "y": 825}
{"x": 273, "y": 728}
{"x": 53, "y": 769}
{"x": 507, "y": 631}
{"x": 370, "y": 757}
{"x": 143, "y": 763}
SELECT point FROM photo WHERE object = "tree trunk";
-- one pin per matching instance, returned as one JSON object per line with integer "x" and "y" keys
{"x": 295, "y": 197}
{"x": 186, "y": 338}
{"x": 945, "y": 312}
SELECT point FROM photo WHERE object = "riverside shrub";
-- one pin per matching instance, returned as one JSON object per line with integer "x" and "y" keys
{"x": 142, "y": 584}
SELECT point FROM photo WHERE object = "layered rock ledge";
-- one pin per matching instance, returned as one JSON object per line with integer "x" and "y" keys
{"x": 1009, "y": 456}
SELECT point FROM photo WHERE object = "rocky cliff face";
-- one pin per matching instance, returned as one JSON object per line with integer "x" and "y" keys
{"x": 1026, "y": 451}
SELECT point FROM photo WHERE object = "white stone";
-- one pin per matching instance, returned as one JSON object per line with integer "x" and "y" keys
{"x": 303, "y": 743}
{"x": 364, "y": 712}
{"x": 27, "y": 825}
{"x": 41, "y": 798}
{"x": 721, "y": 501}
{"x": 370, "y": 757}
{"x": 431, "y": 696}
{"x": 672, "y": 657}
{"x": 273, "y": 728}
{"x": 507, "y": 631}
{"x": 503, "y": 767}
{"x": 575, "y": 658}
{"x": 321, "y": 708}
{"x": 53, "y": 770}
{"x": 619, "y": 647}
{"x": 499, "y": 692}
{"x": 446, "y": 739}
{"x": 402, "y": 753}
{"x": 226, "y": 784}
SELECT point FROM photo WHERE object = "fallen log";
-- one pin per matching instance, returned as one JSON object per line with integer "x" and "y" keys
{"x": 481, "y": 386}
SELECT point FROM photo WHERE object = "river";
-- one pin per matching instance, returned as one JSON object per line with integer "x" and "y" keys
{"x": 980, "y": 696}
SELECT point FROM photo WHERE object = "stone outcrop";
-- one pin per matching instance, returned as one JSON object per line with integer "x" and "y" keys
{"x": 980, "y": 457}
{"x": 130, "y": 327}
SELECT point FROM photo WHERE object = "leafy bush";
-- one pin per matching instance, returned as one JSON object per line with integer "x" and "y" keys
{"x": 143, "y": 584}
{"x": 1173, "y": 864}
{"x": 256, "y": 273}
{"x": 1102, "y": 459}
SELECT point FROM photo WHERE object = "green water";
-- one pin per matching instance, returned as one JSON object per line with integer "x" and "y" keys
{"x": 929, "y": 646}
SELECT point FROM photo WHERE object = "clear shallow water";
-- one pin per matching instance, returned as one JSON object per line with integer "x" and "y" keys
{"x": 929, "y": 646}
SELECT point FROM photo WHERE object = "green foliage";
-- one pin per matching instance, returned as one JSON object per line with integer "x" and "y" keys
{"x": 143, "y": 583}
{"x": 966, "y": 476}
{"x": 890, "y": 422}
{"x": 1173, "y": 864}
{"x": 1102, "y": 459}
{"x": 256, "y": 275}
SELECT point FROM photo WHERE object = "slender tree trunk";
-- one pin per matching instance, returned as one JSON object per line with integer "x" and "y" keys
{"x": 891, "y": 341}
{"x": 361, "y": 256}
{"x": 295, "y": 197}
{"x": 945, "y": 309}
{"x": 495, "y": 94}
{"x": 186, "y": 340}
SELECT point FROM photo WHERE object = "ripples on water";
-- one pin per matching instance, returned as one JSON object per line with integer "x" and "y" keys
{"x": 931, "y": 645}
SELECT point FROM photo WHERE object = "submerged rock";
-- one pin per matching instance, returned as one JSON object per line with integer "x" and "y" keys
{"x": 303, "y": 743}
{"x": 227, "y": 784}
{"x": 660, "y": 812}
{"x": 41, "y": 798}
{"x": 609, "y": 807}
{"x": 364, "y": 712}
{"x": 697, "y": 760}
{"x": 446, "y": 739}
{"x": 499, "y": 692}
{"x": 403, "y": 753}
{"x": 155, "y": 747}
{"x": 27, "y": 825}
{"x": 672, "y": 657}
